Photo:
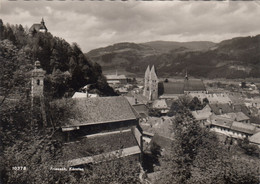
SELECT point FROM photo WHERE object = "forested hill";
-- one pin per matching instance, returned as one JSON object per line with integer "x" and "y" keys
{"x": 66, "y": 66}
{"x": 234, "y": 58}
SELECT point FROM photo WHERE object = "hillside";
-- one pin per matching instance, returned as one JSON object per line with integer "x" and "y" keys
{"x": 234, "y": 58}
{"x": 67, "y": 69}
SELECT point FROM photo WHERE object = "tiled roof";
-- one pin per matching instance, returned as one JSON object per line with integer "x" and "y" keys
{"x": 102, "y": 143}
{"x": 100, "y": 110}
{"x": 37, "y": 27}
{"x": 236, "y": 98}
{"x": 115, "y": 77}
{"x": 241, "y": 108}
{"x": 243, "y": 127}
{"x": 221, "y": 121}
{"x": 178, "y": 87}
{"x": 134, "y": 150}
{"x": 212, "y": 98}
{"x": 236, "y": 116}
{"x": 202, "y": 114}
{"x": 224, "y": 107}
{"x": 83, "y": 95}
{"x": 255, "y": 138}
{"x": 160, "y": 104}
{"x": 172, "y": 88}
{"x": 194, "y": 85}
{"x": 141, "y": 109}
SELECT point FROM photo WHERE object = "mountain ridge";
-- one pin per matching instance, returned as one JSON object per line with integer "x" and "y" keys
{"x": 237, "y": 57}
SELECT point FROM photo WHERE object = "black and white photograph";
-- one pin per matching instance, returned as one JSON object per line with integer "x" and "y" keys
{"x": 129, "y": 92}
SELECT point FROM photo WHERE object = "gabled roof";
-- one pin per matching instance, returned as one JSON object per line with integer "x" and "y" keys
{"x": 160, "y": 104}
{"x": 224, "y": 107}
{"x": 255, "y": 138}
{"x": 101, "y": 110}
{"x": 243, "y": 127}
{"x": 236, "y": 116}
{"x": 99, "y": 143}
{"x": 37, "y": 27}
{"x": 241, "y": 108}
{"x": 194, "y": 85}
{"x": 221, "y": 121}
{"x": 178, "y": 87}
{"x": 172, "y": 88}
{"x": 202, "y": 114}
{"x": 83, "y": 95}
{"x": 115, "y": 77}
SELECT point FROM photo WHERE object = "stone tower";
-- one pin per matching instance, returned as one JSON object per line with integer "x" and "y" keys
{"x": 153, "y": 85}
{"x": 37, "y": 83}
{"x": 150, "y": 84}
{"x": 37, "y": 96}
{"x": 146, "y": 81}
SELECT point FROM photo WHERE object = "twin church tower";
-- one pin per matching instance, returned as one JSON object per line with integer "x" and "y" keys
{"x": 151, "y": 84}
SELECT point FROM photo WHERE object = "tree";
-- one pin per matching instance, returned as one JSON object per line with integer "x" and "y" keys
{"x": 195, "y": 104}
{"x": 196, "y": 156}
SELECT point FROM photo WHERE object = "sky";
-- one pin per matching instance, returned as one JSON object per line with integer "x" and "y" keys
{"x": 94, "y": 24}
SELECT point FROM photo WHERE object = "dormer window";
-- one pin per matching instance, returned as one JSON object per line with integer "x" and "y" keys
{"x": 38, "y": 82}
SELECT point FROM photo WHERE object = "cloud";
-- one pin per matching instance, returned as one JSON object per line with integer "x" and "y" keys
{"x": 94, "y": 24}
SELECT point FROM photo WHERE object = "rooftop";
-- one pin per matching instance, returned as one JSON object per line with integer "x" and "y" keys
{"x": 236, "y": 116}
{"x": 99, "y": 144}
{"x": 243, "y": 127}
{"x": 224, "y": 107}
{"x": 202, "y": 114}
{"x": 115, "y": 77}
{"x": 100, "y": 110}
{"x": 160, "y": 104}
{"x": 194, "y": 85}
{"x": 255, "y": 138}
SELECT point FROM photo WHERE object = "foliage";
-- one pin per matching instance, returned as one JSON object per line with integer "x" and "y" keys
{"x": 155, "y": 112}
{"x": 66, "y": 66}
{"x": 249, "y": 149}
{"x": 196, "y": 156}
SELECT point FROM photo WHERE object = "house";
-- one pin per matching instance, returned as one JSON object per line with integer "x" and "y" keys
{"x": 202, "y": 115}
{"x": 138, "y": 105}
{"x": 237, "y": 116}
{"x": 84, "y": 95}
{"x": 116, "y": 79}
{"x": 94, "y": 115}
{"x": 212, "y": 98}
{"x": 223, "y": 108}
{"x": 106, "y": 146}
{"x": 255, "y": 139}
{"x": 102, "y": 129}
{"x": 160, "y": 105}
{"x": 231, "y": 128}
{"x": 36, "y": 28}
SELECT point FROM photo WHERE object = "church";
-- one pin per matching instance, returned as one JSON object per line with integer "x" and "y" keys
{"x": 155, "y": 89}
{"x": 35, "y": 28}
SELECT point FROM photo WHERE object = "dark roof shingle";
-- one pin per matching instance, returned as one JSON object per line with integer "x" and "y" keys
{"x": 101, "y": 110}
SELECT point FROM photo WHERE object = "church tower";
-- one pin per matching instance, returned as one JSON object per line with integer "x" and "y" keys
{"x": 146, "y": 82}
{"x": 37, "y": 96}
{"x": 150, "y": 84}
{"x": 37, "y": 83}
{"x": 153, "y": 85}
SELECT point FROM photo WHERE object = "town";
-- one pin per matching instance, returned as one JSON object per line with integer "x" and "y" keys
{"x": 140, "y": 122}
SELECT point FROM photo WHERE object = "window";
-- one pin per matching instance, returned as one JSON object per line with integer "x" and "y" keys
{"x": 38, "y": 82}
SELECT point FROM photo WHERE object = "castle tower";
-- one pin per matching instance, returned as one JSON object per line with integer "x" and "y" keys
{"x": 146, "y": 82}
{"x": 37, "y": 83}
{"x": 153, "y": 85}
